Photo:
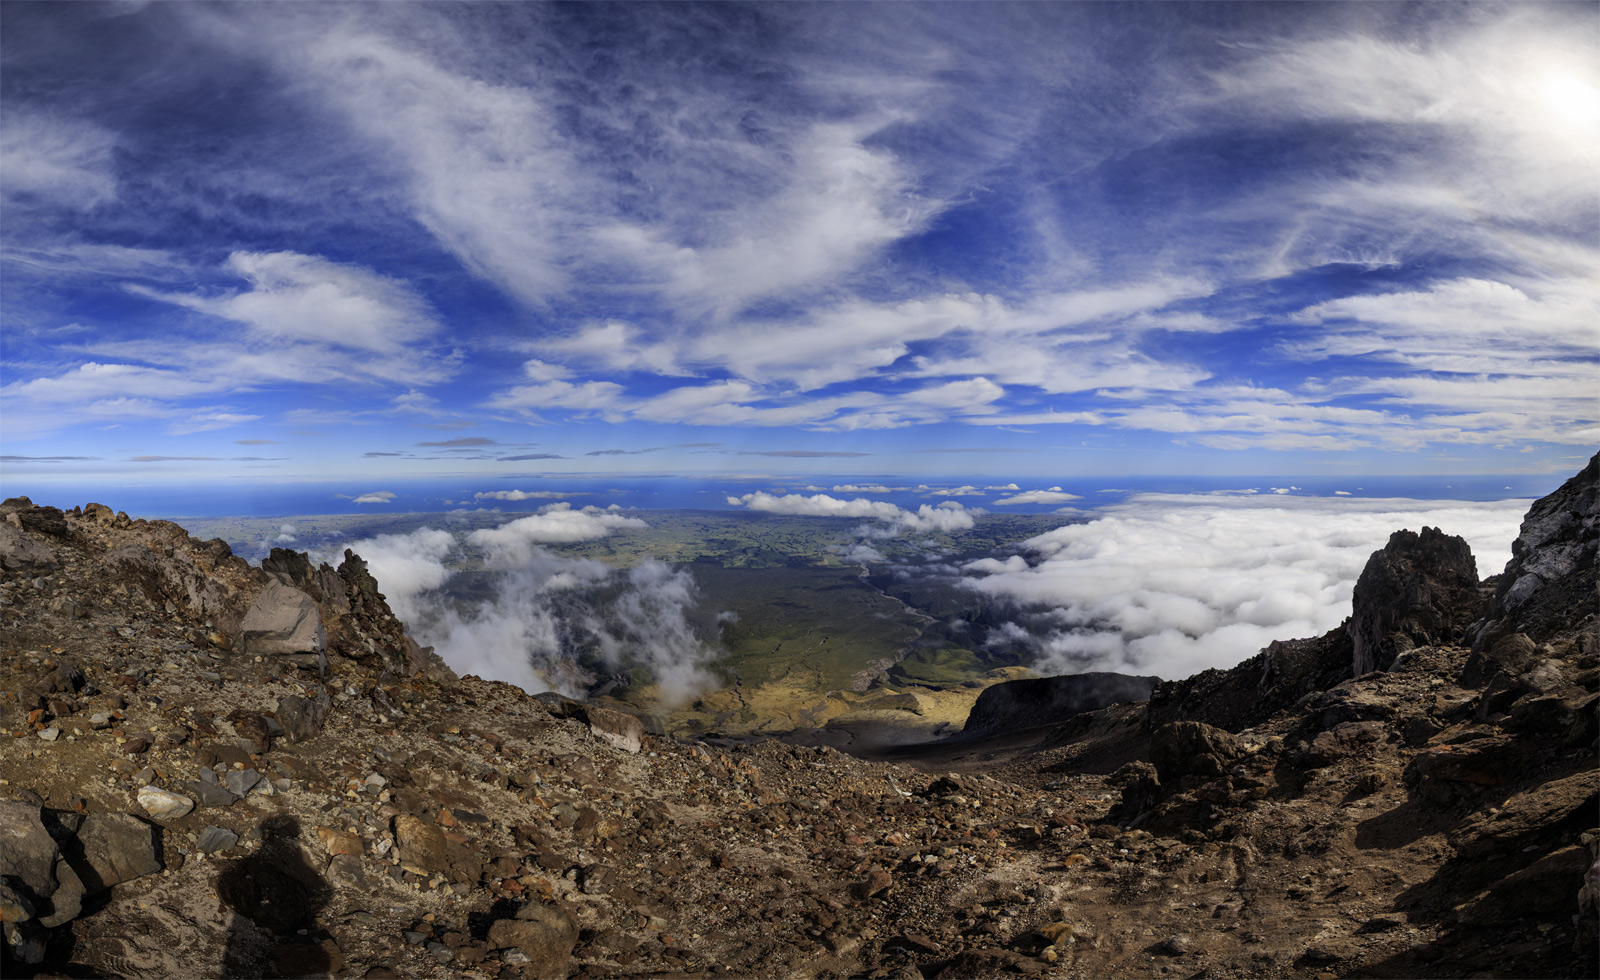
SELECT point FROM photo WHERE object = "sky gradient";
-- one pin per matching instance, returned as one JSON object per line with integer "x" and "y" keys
{"x": 366, "y": 241}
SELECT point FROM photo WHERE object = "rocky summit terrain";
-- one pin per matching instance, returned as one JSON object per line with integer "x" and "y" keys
{"x": 209, "y": 768}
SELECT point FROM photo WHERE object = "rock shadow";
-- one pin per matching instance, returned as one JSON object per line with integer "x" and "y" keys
{"x": 275, "y": 895}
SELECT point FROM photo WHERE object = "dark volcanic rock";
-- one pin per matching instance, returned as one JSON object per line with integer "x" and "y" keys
{"x": 1192, "y": 748}
{"x": 1048, "y": 700}
{"x": 1256, "y": 689}
{"x": 113, "y": 848}
{"x": 303, "y": 718}
{"x": 1419, "y": 590}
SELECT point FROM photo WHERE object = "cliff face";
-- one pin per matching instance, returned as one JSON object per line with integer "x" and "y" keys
{"x": 208, "y": 769}
{"x": 1549, "y": 585}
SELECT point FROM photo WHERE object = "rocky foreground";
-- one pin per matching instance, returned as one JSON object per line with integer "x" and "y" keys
{"x": 212, "y": 769}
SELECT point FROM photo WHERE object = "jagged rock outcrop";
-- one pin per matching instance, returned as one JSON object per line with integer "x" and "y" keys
{"x": 1035, "y": 701}
{"x": 1419, "y": 590}
{"x": 1549, "y": 586}
{"x": 1254, "y": 690}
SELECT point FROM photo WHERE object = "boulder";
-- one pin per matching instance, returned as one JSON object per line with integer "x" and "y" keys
{"x": 1351, "y": 739}
{"x": 1192, "y": 748}
{"x": 284, "y": 621}
{"x": 546, "y": 934}
{"x": 114, "y": 847}
{"x": 1549, "y": 814}
{"x": 422, "y": 845}
{"x": 303, "y": 718}
{"x": 611, "y": 726}
{"x": 615, "y": 728}
{"x": 67, "y": 901}
{"x": 20, "y": 552}
{"x": 1419, "y": 590}
{"x": 163, "y": 805}
{"x": 27, "y": 852}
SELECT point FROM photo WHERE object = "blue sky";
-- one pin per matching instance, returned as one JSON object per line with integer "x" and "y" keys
{"x": 369, "y": 241}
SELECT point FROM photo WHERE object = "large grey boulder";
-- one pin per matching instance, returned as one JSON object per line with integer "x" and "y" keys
{"x": 28, "y": 860}
{"x": 284, "y": 621}
{"x": 19, "y": 552}
{"x": 116, "y": 847}
{"x": 27, "y": 851}
{"x": 616, "y": 728}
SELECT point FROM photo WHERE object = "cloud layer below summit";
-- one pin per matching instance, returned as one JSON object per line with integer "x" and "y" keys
{"x": 1173, "y": 584}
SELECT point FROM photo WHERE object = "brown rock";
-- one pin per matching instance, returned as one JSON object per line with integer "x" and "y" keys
{"x": 616, "y": 728}
{"x": 337, "y": 842}
{"x": 422, "y": 845}
{"x": 545, "y": 933}
{"x": 1343, "y": 741}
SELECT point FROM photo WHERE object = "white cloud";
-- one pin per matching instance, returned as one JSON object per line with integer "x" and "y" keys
{"x": 208, "y": 421}
{"x": 308, "y": 298}
{"x": 817, "y": 505}
{"x": 405, "y": 565}
{"x": 542, "y": 610}
{"x": 512, "y": 543}
{"x": 1038, "y": 497}
{"x": 616, "y": 346}
{"x": 1174, "y": 584}
{"x": 585, "y": 397}
{"x": 947, "y": 516}
{"x": 376, "y": 497}
{"x": 64, "y": 161}
{"x": 522, "y": 495}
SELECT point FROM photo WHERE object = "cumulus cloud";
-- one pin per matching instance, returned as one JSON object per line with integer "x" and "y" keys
{"x": 376, "y": 497}
{"x": 512, "y": 543}
{"x": 816, "y": 505}
{"x": 1173, "y": 584}
{"x": 947, "y": 516}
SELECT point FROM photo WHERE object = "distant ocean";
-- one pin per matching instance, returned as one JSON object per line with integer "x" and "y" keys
{"x": 710, "y": 493}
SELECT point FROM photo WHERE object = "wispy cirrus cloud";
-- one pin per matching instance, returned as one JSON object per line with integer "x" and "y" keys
{"x": 1279, "y": 234}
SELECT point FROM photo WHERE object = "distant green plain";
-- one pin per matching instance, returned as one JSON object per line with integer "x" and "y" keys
{"x": 790, "y": 618}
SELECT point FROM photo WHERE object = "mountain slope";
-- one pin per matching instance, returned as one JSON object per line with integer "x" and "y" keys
{"x": 213, "y": 769}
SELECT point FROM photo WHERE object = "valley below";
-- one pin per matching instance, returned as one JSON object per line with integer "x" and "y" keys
{"x": 801, "y": 641}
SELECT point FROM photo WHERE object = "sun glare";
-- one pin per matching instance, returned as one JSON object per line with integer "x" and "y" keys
{"x": 1574, "y": 101}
